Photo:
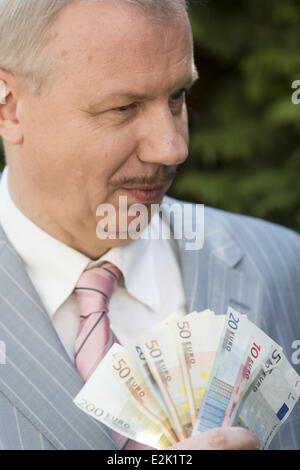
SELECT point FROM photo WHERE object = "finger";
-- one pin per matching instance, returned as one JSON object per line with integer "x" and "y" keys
{"x": 228, "y": 438}
{"x": 231, "y": 438}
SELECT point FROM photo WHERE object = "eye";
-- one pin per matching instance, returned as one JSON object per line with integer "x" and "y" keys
{"x": 177, "y": 102}
{"x": 124, "y": 109}
{"x": 181, "y": 94}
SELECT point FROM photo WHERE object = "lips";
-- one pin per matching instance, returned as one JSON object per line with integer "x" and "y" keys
{"x": 145, "y": 194}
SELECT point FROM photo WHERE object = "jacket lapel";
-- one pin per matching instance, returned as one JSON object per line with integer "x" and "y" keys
{"x": 38, "y": 377}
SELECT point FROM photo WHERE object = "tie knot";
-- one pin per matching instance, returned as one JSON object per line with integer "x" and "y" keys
{"x": 95, "y": 288}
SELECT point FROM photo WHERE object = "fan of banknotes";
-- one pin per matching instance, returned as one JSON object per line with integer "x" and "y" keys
{"x": 190, "y": 374}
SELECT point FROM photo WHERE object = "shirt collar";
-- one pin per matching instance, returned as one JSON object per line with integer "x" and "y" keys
{"x": 146, "y": 265}
{"x": 54, "y": 268}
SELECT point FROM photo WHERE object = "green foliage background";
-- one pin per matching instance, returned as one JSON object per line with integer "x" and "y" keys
{"x": 245, "y": 146}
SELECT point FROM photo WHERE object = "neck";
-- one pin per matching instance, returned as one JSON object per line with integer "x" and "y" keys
{"x": 82, "y": 239}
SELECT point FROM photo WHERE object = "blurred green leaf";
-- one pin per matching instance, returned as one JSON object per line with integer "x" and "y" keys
{"x": 244, "y": 152}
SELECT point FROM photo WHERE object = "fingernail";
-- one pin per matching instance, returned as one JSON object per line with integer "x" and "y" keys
{"x": 255, "y": 440}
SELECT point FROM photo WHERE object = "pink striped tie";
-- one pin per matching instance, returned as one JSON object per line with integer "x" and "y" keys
{"x": 95, "y": 337}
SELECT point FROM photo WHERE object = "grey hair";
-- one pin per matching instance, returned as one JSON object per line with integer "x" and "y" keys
{"x": 25, "y": 24}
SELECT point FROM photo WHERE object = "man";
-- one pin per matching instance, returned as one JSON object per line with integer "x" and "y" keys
{"x": 94, "y": 111}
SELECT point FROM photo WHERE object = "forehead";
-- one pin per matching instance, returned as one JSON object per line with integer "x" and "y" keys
{"x": 101, "y": 44}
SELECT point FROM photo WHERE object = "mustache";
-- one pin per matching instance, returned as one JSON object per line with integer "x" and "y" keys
{"x": 169, "y": 174}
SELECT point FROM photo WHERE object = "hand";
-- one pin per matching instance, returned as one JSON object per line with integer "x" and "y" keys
{"x": 227, "y": 438}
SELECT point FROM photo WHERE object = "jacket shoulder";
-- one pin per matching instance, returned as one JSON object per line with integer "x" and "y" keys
{"x": 263, "y": 235}
{"x": 243, "y": 224}
{"x": 263, "y": 243}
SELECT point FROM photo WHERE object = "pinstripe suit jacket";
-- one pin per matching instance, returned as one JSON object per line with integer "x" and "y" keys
{"x": 247, "y": 263}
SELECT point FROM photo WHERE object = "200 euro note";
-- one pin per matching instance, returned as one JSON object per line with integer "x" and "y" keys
{"x": 269, "y": 398}
{"x": 122, "y": 365}
{"x": 234, "y": 340}
{"x": 197, "y": 337}
{"x": 160, "y": 350}
{"x": 104, "y": 399}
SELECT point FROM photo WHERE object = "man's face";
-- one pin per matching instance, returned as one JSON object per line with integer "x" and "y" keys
{"x": 115, "y": 121}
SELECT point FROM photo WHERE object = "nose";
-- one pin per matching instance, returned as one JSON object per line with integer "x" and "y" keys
{"x": 164, "y": 139}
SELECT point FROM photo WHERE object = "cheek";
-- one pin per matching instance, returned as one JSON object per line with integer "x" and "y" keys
{"x": 105, "y": 158}
{"x": 64, "y": 152}
{"x": 109, "y": 151}
{"x": 47, "y": 145}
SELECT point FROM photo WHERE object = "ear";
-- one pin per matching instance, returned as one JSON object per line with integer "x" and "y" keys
{"x": 10, "y": 127}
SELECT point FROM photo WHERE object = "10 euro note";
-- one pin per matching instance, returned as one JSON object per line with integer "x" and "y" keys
{"x": 269, "y": 398}
{"x": 197, "y": 337}
{"x": 104, "y": 399}
{"x": 258, "y": 349}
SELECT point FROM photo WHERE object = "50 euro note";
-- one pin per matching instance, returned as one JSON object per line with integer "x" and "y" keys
{"x": 145, "y": 369}
{"x": 149, "y": 379}
{"x": 124, "y": 368}
{"x": 197, "y": 337}
{"x": 160, "y": 350}
{"x": 269, "y": 398}
{"x": 104, "y": 399}
{"x": 234, "y": 340}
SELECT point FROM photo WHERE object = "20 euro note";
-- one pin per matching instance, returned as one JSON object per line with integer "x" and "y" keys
{"x": 234, "y": 340}
{"x": 197, "y": 337}
{"x": 269, "y": 398}
{"x": 122, "y": 365}
{"x": 103, "y": 399}
{"x": 160, "y": 350}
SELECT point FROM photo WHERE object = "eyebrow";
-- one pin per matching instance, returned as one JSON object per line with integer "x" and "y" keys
{"x": 133, "y": 96}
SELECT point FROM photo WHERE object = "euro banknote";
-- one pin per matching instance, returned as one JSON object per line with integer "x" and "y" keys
{"x": 191, "y": 373}
{"x": 145, "y": 369}
{"x": 160, "y": 350}
{"x": 125, "y": 370}
{"x": 104, "y": 399}
{"x": 228, "y": 367}
{"x": 149, "y": 379}
{"x": 260, "y": 346}
{"x": 269, "y": 398}
{"x": 197, "y": 336}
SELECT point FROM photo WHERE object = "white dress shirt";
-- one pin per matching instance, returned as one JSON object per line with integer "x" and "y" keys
{"x": 152, "y": 286}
